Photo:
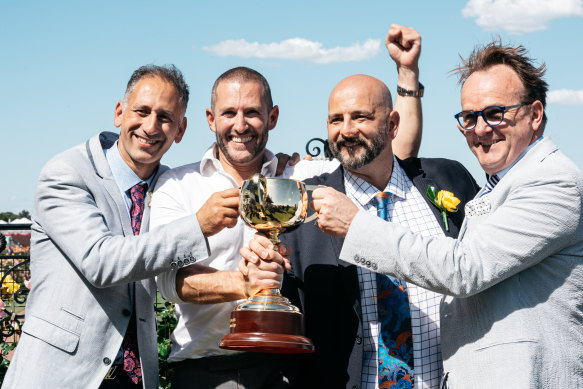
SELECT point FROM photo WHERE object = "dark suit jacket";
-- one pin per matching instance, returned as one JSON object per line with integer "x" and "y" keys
{"x": 326, "y": 289}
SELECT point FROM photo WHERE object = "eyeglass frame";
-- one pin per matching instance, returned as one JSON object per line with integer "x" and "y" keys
{"x": 481, "y": 113}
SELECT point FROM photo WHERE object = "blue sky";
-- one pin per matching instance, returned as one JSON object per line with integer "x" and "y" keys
{"x": 65, "y": 65}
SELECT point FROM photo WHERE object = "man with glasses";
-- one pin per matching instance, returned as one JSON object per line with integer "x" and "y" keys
{"x": 513, "y": 279}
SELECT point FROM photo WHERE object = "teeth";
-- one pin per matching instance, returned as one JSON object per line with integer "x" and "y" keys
{"x": 146, "y": 141}
{"x": 241, "y": 140}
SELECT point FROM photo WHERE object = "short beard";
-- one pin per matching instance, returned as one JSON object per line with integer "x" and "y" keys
{"x": 259, "y": 147}
{"x": 352, "y": 161}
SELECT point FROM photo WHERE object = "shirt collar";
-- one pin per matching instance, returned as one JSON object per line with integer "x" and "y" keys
{"x": 363, "y": 192}
{"x": 503, "y": 172}
{"x": 210, "y": 164}
{"x": 124, "y": 176}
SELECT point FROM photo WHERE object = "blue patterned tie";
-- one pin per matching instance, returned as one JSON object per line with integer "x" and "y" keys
{"x": 395, "y": 352}
{"x": 131, "y": 356}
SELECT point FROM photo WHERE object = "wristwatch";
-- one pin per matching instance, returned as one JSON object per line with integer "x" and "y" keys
{"x": 411, "y": 93}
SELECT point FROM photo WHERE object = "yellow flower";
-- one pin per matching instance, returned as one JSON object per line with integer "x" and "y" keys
{"x": 447, "y": 200}
{"x": 9, "y": 286}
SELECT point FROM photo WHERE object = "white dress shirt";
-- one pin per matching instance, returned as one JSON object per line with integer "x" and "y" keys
{"x": 406, "y": 207}
{"x": 182, "y": 191}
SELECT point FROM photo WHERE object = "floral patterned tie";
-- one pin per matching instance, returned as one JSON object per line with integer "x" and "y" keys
{"x": 131, "y": 356}
{"x": 395, "y": 351}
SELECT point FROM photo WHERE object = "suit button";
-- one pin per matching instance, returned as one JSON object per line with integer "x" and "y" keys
{"x": 186, "y": 261}
{"x": 192, "y": 259}
{"x": 173, "y": 265}
{"x": 374, "y": 266}
{"x": 126, "y": 312}
{"x": 367, "y": 263}
{"x": 107, "y": 361}
{"x": 358, "y": 340}
{"x": 179, "y": 263}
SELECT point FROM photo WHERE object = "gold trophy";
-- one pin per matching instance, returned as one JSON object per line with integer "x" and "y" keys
{"x": 268, "y": 322}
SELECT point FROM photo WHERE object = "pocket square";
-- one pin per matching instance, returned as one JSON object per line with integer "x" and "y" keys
{"x": 478, "y": 207}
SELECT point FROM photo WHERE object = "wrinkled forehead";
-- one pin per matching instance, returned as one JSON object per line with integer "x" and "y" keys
{"x": 497, "y": 85}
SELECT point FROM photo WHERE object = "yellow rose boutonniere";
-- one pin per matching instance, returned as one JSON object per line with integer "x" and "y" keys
{"x": 444, "y": 200}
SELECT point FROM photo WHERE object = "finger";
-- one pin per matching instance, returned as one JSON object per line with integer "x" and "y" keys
{"x": 263, "y": 240}
{"x": 284, "y": 250}
{"x": 248, "y": 255}
{"x": 242, "y": 267}
{"x": 230, "y": 193}
{"x": 259, "y": 249}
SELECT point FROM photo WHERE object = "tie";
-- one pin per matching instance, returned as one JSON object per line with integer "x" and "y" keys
{"x": 131, "y": 356}
{"x": 395, "y": 352}
{"x": 492, "y": 181}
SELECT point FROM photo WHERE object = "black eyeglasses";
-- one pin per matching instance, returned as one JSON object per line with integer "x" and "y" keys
{"x": 493, "y": 116}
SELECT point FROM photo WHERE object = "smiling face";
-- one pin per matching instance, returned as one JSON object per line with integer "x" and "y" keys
{"x": 498, "y": 147}
{"x": 360, "y": 122}
{"x": 151, "y": 119}
{"x": 241, "y": 122}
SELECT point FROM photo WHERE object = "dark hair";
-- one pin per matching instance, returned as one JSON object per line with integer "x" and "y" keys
{"x": 242, "y": 73}
{"x": 169, "y": 73}
{"x": 496, "y": 53}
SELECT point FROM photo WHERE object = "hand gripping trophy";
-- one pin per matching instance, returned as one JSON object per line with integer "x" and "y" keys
{"x": 267, "y": 321}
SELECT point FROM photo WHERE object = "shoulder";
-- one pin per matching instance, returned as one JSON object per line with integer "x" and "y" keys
{"x": 180, "y": 174}
{"x": 443, "y": 170}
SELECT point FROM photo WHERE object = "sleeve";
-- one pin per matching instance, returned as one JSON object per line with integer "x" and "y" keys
{"x": 308, "y": 169}
{"x": 73, "y": 215}
{"x": 537, "y": 220}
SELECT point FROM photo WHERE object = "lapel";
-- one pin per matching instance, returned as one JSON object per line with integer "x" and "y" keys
{"x": 350, "y": 273}
{"x": 421, "y": 181}
{"x": 97, "y": 157}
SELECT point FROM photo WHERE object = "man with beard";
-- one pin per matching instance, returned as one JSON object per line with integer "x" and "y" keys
{"x": 241, "y": 115}
{"x": 369, "y": 332}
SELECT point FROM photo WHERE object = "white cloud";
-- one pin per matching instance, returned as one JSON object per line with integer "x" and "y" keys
{"x": 520, "y": 16}
{"x": 297, "y": 49}
{"x": 565, "y": 97}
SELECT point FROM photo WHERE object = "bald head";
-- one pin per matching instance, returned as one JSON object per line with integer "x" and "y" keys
{"x": 359, "y": 85}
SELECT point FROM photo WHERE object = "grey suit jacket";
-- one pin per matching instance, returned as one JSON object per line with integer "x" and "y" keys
{"x": 514, "y": 276}
{"x": 87, "y": 271}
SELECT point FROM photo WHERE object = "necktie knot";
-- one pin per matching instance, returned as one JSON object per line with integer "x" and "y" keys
{"x": 492, "y": 181}
{"x": 381, "y": 201}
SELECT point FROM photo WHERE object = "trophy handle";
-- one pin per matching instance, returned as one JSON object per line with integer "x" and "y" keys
{"x": 315, "y": 214}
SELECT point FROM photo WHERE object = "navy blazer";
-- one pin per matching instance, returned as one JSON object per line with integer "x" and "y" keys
{"x": 326, "y": 289}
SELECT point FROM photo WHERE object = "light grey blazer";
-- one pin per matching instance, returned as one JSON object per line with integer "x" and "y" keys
{"x": 513, "y": 316}
{"x": 87, "y": 269}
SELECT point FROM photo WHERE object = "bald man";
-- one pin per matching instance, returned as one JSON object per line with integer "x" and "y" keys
{"x": 339, "y": 300}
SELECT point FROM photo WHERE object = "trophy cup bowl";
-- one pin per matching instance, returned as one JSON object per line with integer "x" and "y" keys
{"x": 268, "y": 322}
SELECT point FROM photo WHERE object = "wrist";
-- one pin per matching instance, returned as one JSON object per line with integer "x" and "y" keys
{"x": 406, "y": 92}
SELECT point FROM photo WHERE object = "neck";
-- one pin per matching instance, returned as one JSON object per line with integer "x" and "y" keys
{"x": 241, "y": 171}
{"x": 378, "y": 172}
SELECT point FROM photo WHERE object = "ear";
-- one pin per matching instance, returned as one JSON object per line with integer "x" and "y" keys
{"x": 181, "y": 131}
{"x": 118, "y": 113}
{"x": 536, "y": 115}
{"x": 272, "y": 120}
{"x": 393, "y": 122}
{"x": 210, "y": 118}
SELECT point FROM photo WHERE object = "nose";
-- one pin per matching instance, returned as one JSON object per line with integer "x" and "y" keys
{"x": 482, "y": 128}
{"x": 150, "y": 123}
{"x": 348, "y": 129}
{"x": 240, "y": 125}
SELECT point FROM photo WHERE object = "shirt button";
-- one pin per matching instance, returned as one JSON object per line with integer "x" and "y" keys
{"x": 126, "y": 312}
{"x": 107, "y": 361}
{"x": 358, "y": 340}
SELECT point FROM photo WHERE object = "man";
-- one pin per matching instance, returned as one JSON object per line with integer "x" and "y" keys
{"x": 339, "y": 301}
{"x": 514, "y": 276}
{"x": 92, "y": 261}
{"x": 241, "y": 115}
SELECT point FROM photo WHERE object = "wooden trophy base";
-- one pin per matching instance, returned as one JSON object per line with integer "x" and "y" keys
{"x": 277, "y": 332}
